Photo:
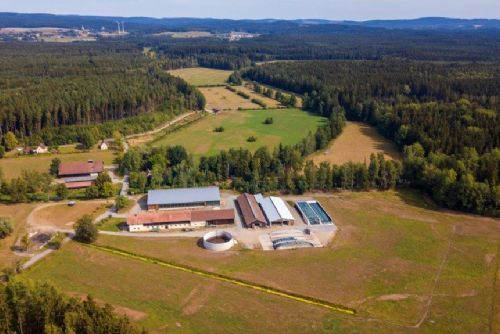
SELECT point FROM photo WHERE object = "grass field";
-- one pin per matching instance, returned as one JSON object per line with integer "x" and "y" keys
{"x": 271, "y": 103}
{"x": 290, "y": 126}
{"x": 390, "y": 250}
{"x": 12, "y": 167}
{"x": 223, "y": 99}
{"x": 64, "y": 216}
{"x": 355, "y": 144}
{"x": 17, "y": 213}
{"x": 201, "y": 76}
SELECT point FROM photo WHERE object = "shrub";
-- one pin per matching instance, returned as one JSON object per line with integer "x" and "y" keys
{"x": 121, "y": 202}
{"x": 56, "y": 241}
{"x": 5, "y": 227}
{"x": 219, "y": 129}
{"x": 62, "y": 191}
{"x": 85, "y": 230}
{"x": 251, "y": 139}
{"x": 243, "y": 95}
{"x": 259, "y": 102}
{"x": 269, "y": 120}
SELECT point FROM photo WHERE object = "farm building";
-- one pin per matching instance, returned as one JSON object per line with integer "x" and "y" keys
{"x": 275, "y": 210}
{"x": 80, "y": 174}
{"x": 165, "y": 199}
{"x": 167, "y": 220}
{"x": 251, "y": 212}
{"x": 103, "y": 145}
{"x": 313, "y": 213}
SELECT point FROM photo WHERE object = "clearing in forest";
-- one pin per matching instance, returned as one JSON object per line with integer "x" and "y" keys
{"x": 223, "y": 99}
{"x": 405, "y": 266}
{"x": 270, "y": 103}
{"x": 356, "y": 143}
{"x": 202, "y": 76}
{"x": 200, "y": 138}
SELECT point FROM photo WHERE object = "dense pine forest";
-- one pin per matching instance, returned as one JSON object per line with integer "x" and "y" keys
{"x": 50, "y": 86}
{"x": 445, "y": 116}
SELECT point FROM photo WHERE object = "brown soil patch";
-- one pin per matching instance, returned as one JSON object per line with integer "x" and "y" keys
{"x": 356, "y": 143}
{"x": 64, "y": 216}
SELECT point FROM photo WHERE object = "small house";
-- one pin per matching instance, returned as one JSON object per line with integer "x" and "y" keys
{"x": 103, "y": 145}
{"x": 41, "y": 149}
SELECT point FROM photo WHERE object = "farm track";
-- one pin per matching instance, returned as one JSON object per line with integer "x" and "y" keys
{"x": 226, "y": 279}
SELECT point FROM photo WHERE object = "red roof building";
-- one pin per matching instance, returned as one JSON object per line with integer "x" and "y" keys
{"x": 179, "y": 219}
{"x": 74, "y": 169}
{"x": 250, "y": 211}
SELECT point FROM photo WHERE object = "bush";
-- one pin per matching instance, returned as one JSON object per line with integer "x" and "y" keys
{"x": 121, "y": 202}
{"x": 251, "y": 139}
{"x": 5, "y": 227}
{"x": 269, "y": 120}
{"x": 260, "y": 103}
{"x": 62, "y": 191}
{"x": 85, "y": 230}
{"x": 219, "y": 129}
{"x": 243, "y": 95}
{"x": 56, "y": 241}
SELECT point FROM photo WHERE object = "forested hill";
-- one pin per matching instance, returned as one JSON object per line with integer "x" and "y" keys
{"x": 445, "y": 116}
{"x": 147, "y": 24}
{"x": 48, "y": 86}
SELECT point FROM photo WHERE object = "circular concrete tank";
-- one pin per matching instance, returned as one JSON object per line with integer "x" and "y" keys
{"x": 218, "y": 241}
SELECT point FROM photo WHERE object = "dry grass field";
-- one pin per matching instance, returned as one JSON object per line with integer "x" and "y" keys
{"x": 269, "y": 102}
{"x": 356, "y": 143}
{"x": 17, "y": 213}
{"x": 224, "y": 99}
{"x": 405, "y": 266}
{"x": 60, "y": 215}
{"x": 12, "y": 167}
{"x": 201, "y": 76}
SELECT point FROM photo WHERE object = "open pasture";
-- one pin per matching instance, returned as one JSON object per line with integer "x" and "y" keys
{"x": 271, "y": 103}
{"x": 356, "y": 143}
{"x": 202, "y": 76}
{"x": 395, "y": 260}
{"x": 223, "y": 99}
{"x": 199, "y": 138}
{"x": 12, "y": 167}
{"x": 63, "y": 216}
{"x": 17, "y": 214}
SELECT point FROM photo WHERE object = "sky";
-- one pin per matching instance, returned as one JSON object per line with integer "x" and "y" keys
{"x": 280, "y": 9}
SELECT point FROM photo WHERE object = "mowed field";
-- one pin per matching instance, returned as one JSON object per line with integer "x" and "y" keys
{"x": 404, "y": 266}
{"x": 12, "y": 167}
{"x": 223, "y": 99}
{"x": 271, "y": 103}
{"x": 356, "y": 143}
{"x": 199, "y": 138}
{"x": 61, "y": 215}
{"x": 202, "y": 76}
{"x": 17, "y": 214}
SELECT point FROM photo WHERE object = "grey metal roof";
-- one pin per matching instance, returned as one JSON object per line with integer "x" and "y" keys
{"x": 80, "y": 178}
{"x": 269, "y": 210}
{"x": 183, "y": 196}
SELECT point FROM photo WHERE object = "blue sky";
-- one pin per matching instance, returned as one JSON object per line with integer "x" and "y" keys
{"x": 287, "y": 9}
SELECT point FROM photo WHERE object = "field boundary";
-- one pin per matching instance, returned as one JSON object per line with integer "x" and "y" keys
{"x": 227, "y": 279}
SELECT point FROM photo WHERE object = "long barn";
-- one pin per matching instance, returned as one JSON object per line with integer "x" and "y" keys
{"x": 165, "y": 199}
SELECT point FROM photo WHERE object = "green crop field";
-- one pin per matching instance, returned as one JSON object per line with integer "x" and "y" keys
{"x": 402, "y": 264}
{"x": 199, "y": 138}
{"x": 201, "y": 76}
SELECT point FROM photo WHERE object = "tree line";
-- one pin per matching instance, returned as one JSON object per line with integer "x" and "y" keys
{"x": 33, "y": 308}
{"x": 47, "y": 87}
{"x": 448, "y": 112}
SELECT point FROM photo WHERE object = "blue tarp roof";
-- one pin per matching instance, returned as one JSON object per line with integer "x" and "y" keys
{"x": 183, "y": 196}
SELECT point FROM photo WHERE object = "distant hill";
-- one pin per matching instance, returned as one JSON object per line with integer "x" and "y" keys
{"x": 147, "y": 24}
{"x": 431, "y": 23}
